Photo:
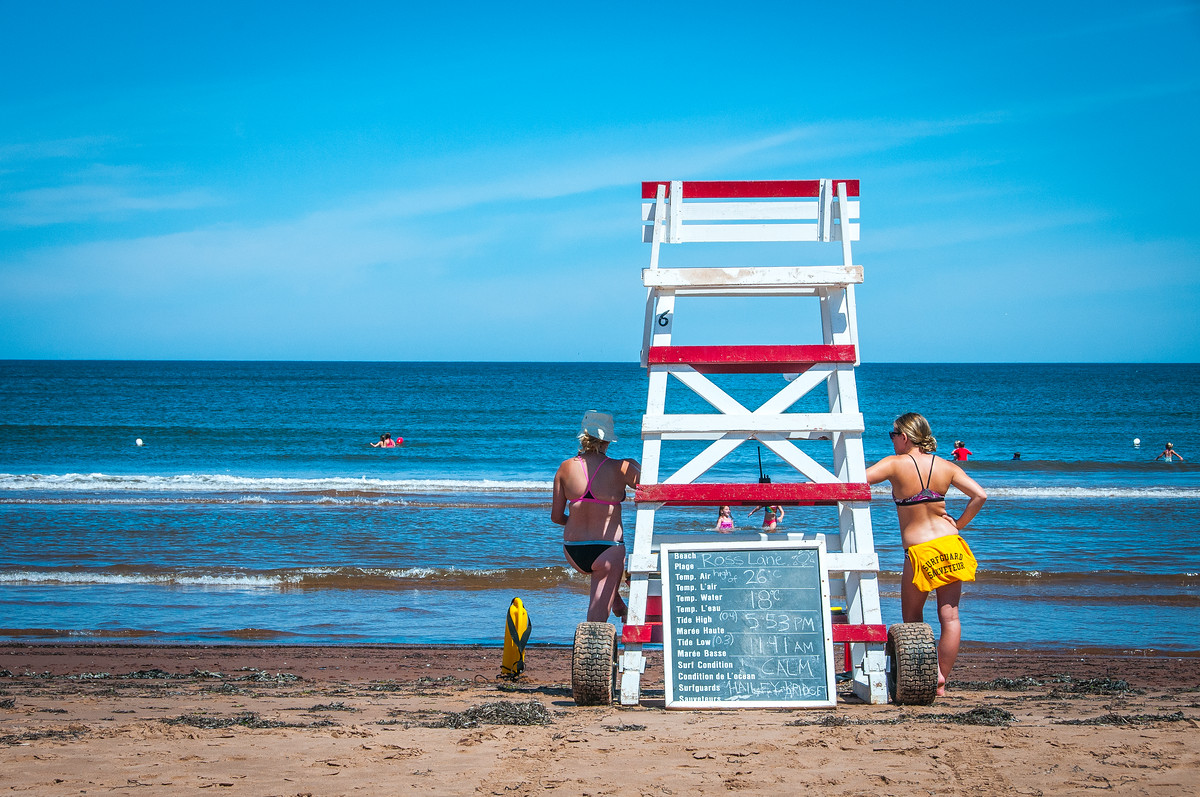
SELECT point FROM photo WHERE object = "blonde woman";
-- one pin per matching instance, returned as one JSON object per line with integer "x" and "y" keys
{"x": 588, "y": 491}
{"x": 1168, "y": 453}
{"x": 936, "y": 555}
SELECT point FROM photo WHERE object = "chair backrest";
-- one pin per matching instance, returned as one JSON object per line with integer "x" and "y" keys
{"x": 749, "y": 210}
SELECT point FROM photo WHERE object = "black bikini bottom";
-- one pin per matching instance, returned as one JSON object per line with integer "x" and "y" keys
{"x": 585, "y": 554}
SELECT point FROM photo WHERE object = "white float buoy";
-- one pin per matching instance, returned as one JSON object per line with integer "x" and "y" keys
{"x": 138, "y": 441}
{"x": 1137, "y": 441}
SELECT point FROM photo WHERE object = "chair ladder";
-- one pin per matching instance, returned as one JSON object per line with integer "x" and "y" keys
{"x": 749, "y": 211}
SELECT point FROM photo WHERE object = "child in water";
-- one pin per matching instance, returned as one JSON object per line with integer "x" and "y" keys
{"x": 725, "y": 520}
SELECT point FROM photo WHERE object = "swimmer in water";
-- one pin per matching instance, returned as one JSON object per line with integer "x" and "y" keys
{"x": 1169, "y": 453}
{"x": 725, "y": 520}
{"x": 772, "y": 515}
{"x": 385, "y": 441}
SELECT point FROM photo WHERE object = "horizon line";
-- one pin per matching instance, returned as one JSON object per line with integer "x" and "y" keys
{"x": 551, "y": 362}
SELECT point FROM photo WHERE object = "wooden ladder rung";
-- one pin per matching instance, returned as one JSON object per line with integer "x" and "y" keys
{"x": 751, "y": 359}
{"x": 805, "y": 494}
{"x": 698, "y": 427}
{"x": 752, "y": 277}
{"x": 746, "y": 189}
{"x": 841, "y": 631}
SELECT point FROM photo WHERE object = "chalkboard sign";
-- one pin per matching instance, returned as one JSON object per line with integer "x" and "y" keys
{"x": 746, "y": 625}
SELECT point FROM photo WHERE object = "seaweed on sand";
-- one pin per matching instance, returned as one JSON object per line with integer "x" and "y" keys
{"x": 1127, "y": 719}
{"x": 1096, "y": 686}
{"x": 498, "y": 713}
{"x": 983, "y": 715}
{"x": 834, "y": 720}
{"x": 999, "y": 684}
{"x": 245, "y": 719}
{"x": 70, "y": 732}
{"x": 154, "y": 673}
{"x": 975, "y": 716}
{"x": 338, "y": 706}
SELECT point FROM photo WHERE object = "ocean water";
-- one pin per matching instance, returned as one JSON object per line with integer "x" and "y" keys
{"x": 256, "y": 510}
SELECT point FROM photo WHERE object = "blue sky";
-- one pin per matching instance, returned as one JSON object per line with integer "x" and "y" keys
{"x": 461, "y": 182}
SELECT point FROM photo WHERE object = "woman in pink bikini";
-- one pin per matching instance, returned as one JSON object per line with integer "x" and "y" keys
{"x": 588, "y": 491}
{"x": 936, "y": 556}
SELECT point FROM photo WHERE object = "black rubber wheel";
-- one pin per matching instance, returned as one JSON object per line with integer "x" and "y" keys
{"x": 912, "y": 653}
{"x": 594, "y": 664}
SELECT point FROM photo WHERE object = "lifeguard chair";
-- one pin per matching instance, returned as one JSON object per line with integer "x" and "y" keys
{"x": 811, "y": 211}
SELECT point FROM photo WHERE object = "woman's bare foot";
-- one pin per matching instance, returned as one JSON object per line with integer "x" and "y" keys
{"x": 941, "y": 687}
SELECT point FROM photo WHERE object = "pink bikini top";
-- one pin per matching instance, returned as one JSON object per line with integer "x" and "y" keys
{"x": 587, "y": 496}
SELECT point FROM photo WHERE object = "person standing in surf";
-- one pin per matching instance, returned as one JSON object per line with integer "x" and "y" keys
{"x": 588, "y": 491}
{"x": 936, "y": 555}
{"x": 1169, "y": 453}
{"x": 772, "y": 515}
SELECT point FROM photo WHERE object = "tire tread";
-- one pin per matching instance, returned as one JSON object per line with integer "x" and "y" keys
{"x": 913, "y": 653}
{"x": 593, "y": 664}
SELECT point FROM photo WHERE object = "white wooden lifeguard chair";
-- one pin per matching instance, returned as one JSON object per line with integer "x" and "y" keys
{"x": 759, "y": 211}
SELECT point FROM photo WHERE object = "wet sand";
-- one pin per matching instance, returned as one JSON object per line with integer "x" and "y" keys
{"x": 283, "y": 720}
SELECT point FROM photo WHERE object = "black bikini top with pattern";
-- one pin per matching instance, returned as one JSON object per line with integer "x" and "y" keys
{"x": 926, "y": 496}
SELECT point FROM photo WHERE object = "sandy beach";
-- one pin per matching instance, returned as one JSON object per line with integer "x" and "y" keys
{"x": 273, "y": 720}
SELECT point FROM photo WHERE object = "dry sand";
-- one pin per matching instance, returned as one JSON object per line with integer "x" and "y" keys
{"x": 268, "y": 720}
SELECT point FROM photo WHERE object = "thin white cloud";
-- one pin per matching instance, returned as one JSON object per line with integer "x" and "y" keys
{"x": 589, "y": 172}
{"x": 39, "y": 207}
{"x": 500, "y": 239}
{"x": 103, "y": 192}
{"x": 948, "y": 231}
{"x": 434, "y": 226}
{"x": 82, "y": 146}
{"x": 91, "y": 191}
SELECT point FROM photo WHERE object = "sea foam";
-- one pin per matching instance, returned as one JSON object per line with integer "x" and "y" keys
{"x": 223, "y": 483}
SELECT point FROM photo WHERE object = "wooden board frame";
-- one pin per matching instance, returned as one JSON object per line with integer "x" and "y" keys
{"x": 670, "y": 658}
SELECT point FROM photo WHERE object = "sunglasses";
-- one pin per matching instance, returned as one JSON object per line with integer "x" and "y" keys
{"x": 894, "y": 434}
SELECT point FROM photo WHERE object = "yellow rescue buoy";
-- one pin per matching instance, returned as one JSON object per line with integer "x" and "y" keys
{"x": 516, "y": 635}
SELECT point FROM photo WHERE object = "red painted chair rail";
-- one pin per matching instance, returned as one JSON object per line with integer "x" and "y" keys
{"x": 750, "y": 359}
{"x": 842, "y": 634}
{"x": 859, "y": 633}
{"x": 652, "y": 630}
{"x": 805, "y": 494}
{"x": 641, "y": 633}
{"x": 747, "y": 189}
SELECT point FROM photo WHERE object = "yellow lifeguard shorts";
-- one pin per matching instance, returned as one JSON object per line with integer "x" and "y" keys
{"x": 938, "y": 562}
